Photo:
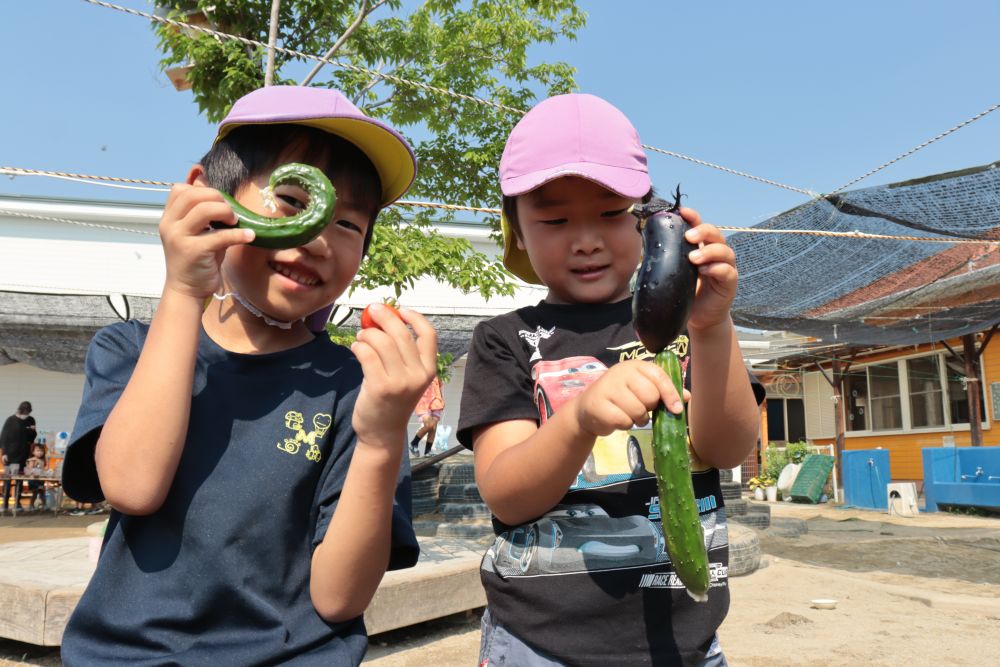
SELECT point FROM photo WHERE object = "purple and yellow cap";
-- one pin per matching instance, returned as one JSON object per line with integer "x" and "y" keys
{"x": 331, "y": 111}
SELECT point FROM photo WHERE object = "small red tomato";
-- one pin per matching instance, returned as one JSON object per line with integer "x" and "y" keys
{"x": 367, "y": 321}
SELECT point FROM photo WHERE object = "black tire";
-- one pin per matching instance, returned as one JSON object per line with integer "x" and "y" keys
{"x": 424, "y": 506}
{"x": 736, "y": 506}
{"x": 425, "y": 528}
{"x": 428, "y": 473}
{"x": 757, "y": 520}
{"x": 424, "y": 486}
{"x": 453, "y": 511}
{"x": 634, "y": 452}
{"x": 480, "y": 531}
{"x": 725, "y": 476}
{"x": 458, "y": 473}
{"x": 731, "y": 490}
{"x": 589, "y": 470}
{"x": 744, "y": 551}
{"x": 759, "y": 508}
{"x": 787, "y": 527}
{"x": 460, "y": 493}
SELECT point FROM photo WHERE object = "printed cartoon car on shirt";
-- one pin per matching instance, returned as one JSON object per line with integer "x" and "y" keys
{"x": 574, "y": 538}
{"x": 615, "y": 457}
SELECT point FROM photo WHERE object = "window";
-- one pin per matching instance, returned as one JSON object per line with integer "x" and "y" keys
{"x": 926, "y": 395}
{"x": 886, "y": 408}
{"x": 856, "y": 390}
{"x": 786, "y": 420}
{"x": 958, "y": 397}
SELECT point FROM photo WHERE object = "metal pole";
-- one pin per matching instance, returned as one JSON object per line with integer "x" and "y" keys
{"x": 272, "y": 40}
{"x": 972, "y": 389}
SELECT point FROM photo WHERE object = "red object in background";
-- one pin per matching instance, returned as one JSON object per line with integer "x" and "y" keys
{"x": 367, "y": 322}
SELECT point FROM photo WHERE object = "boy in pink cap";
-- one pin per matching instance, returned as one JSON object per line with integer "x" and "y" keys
{"x": 556, "y": 407}
{"x": 255, "y": 468}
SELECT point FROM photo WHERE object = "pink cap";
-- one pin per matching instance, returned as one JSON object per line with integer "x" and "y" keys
{"x": 574, "y": 135}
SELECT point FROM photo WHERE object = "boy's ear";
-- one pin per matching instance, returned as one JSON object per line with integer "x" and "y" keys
{"x": 197, "y": 176}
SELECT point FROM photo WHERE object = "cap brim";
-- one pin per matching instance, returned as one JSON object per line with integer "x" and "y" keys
{"x": 389, "y": 152}
{"x": 625, "y": 182}
{"x": 515, "y": 259}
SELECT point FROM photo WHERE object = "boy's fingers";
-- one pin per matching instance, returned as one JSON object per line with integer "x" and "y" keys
{"x": 384, "y": 345}
{"x": 705, "y": 233}
{"x": 691, "y": 216}
{"x": 369, "y": 359}
{"x": 220, "y": 239}
{"x": 713, "y": 253}
{"x": 668, "y": 393}
{"x": 426, "y": 338}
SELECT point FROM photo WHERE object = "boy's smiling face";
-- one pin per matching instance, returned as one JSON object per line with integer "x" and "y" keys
{"x": 581, "y": 240}
{"x": 289, "y": 284}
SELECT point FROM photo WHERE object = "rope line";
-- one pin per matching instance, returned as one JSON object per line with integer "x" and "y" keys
{"x": 680, "y": 156}
{"x": 80, "y": 223}
{"x": 454, "y": 207}
{"x": 417, "y": 84}
{"x": 917, "y": 148}
{"x": 307, "y": 56}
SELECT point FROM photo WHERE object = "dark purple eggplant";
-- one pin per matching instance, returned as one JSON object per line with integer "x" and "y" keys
{"x": 661, "y": 304}
{"x": 664, "y": 288}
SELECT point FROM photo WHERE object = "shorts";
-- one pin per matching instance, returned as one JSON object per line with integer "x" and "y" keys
{"x": 499, "y": 648}
{"x": 433, "y": 413}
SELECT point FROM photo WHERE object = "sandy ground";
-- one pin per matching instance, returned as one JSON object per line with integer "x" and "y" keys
{"x": 922, "y": 591}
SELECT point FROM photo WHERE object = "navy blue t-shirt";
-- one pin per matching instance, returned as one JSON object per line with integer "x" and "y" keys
{"x": 219, "y": 575}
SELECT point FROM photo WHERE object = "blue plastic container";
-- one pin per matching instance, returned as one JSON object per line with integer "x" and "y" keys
{"x": 968, "y": 476}
{"x": 866, "y": 474}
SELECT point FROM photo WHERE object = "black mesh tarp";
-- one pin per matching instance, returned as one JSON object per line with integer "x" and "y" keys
{"x": 868, "y": 291}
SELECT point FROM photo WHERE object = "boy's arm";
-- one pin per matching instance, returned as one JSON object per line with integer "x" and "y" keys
{"x": 723, "y": 415}
{"x": 723, "y": 418}
{"x": 349, "y": 563}
{"x": 523, "y": 470}
{"x": 141, "y": 442}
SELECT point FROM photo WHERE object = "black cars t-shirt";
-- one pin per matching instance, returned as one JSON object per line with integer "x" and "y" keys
{"x": 590, "y": 582}
{"x": 219, "y": 575}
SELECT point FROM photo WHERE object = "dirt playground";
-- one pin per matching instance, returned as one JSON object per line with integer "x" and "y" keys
{"x": 914, "y": 592}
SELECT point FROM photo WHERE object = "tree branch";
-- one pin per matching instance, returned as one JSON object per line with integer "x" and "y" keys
{"x": 363, "y": 13}
{"x": 382, "y": 102}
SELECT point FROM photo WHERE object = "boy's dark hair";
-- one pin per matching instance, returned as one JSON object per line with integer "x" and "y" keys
{"x": 251, "y": 150}
{"x": 509, "y": 207}
{"x": 24, "y": 408}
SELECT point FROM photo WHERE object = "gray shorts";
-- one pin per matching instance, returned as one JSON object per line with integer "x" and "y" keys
{"x": 499, "y": 648}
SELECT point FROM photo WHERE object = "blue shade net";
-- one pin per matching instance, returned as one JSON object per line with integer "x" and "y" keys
{"x": 873, "y": 291}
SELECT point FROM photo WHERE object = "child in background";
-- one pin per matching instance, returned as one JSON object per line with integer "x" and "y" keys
{"x": 255, "y": 468}
{"x": 35, "y": 465}
{"x": 430, "y": 407}
{"x": 556, "y": 408}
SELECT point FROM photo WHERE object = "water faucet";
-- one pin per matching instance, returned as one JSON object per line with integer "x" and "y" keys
{"x": 979, "y": 473}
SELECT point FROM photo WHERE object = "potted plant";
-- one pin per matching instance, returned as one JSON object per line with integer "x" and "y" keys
{"x": 758, "y": 485}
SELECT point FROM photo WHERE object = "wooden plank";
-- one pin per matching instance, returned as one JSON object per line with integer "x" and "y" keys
{"x": 24, "y": 612}
{"x": 59, "y": 604}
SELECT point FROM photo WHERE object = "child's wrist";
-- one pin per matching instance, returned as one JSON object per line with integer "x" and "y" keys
{"x": 721, "y": 329}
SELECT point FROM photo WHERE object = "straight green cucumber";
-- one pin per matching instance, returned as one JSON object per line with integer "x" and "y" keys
{"x": 679, "y": 517}
{"x": 296, "y": 230}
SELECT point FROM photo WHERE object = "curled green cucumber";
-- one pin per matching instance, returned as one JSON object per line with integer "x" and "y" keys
{"x": 295, "y": 230}
{"x": 678, "y": 511}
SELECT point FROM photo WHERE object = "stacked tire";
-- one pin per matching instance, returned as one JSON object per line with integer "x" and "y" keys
{"x": 744, "y": 551}
{"x": 461, "y": 510}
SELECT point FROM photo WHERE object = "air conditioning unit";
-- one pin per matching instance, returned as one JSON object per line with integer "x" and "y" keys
{"x": 902, "y": 499}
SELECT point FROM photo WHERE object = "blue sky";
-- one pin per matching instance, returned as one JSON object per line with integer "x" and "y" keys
{"x": 805, "y": 93}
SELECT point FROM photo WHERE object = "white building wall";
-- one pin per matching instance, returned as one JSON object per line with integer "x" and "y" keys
{"x": 54, "y": 397}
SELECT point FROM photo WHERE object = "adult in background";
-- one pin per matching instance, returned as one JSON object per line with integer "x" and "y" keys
{"x": 15, "y": 440}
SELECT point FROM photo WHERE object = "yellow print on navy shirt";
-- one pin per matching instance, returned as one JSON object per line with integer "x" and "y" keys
{"x": 294, "y": 421}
